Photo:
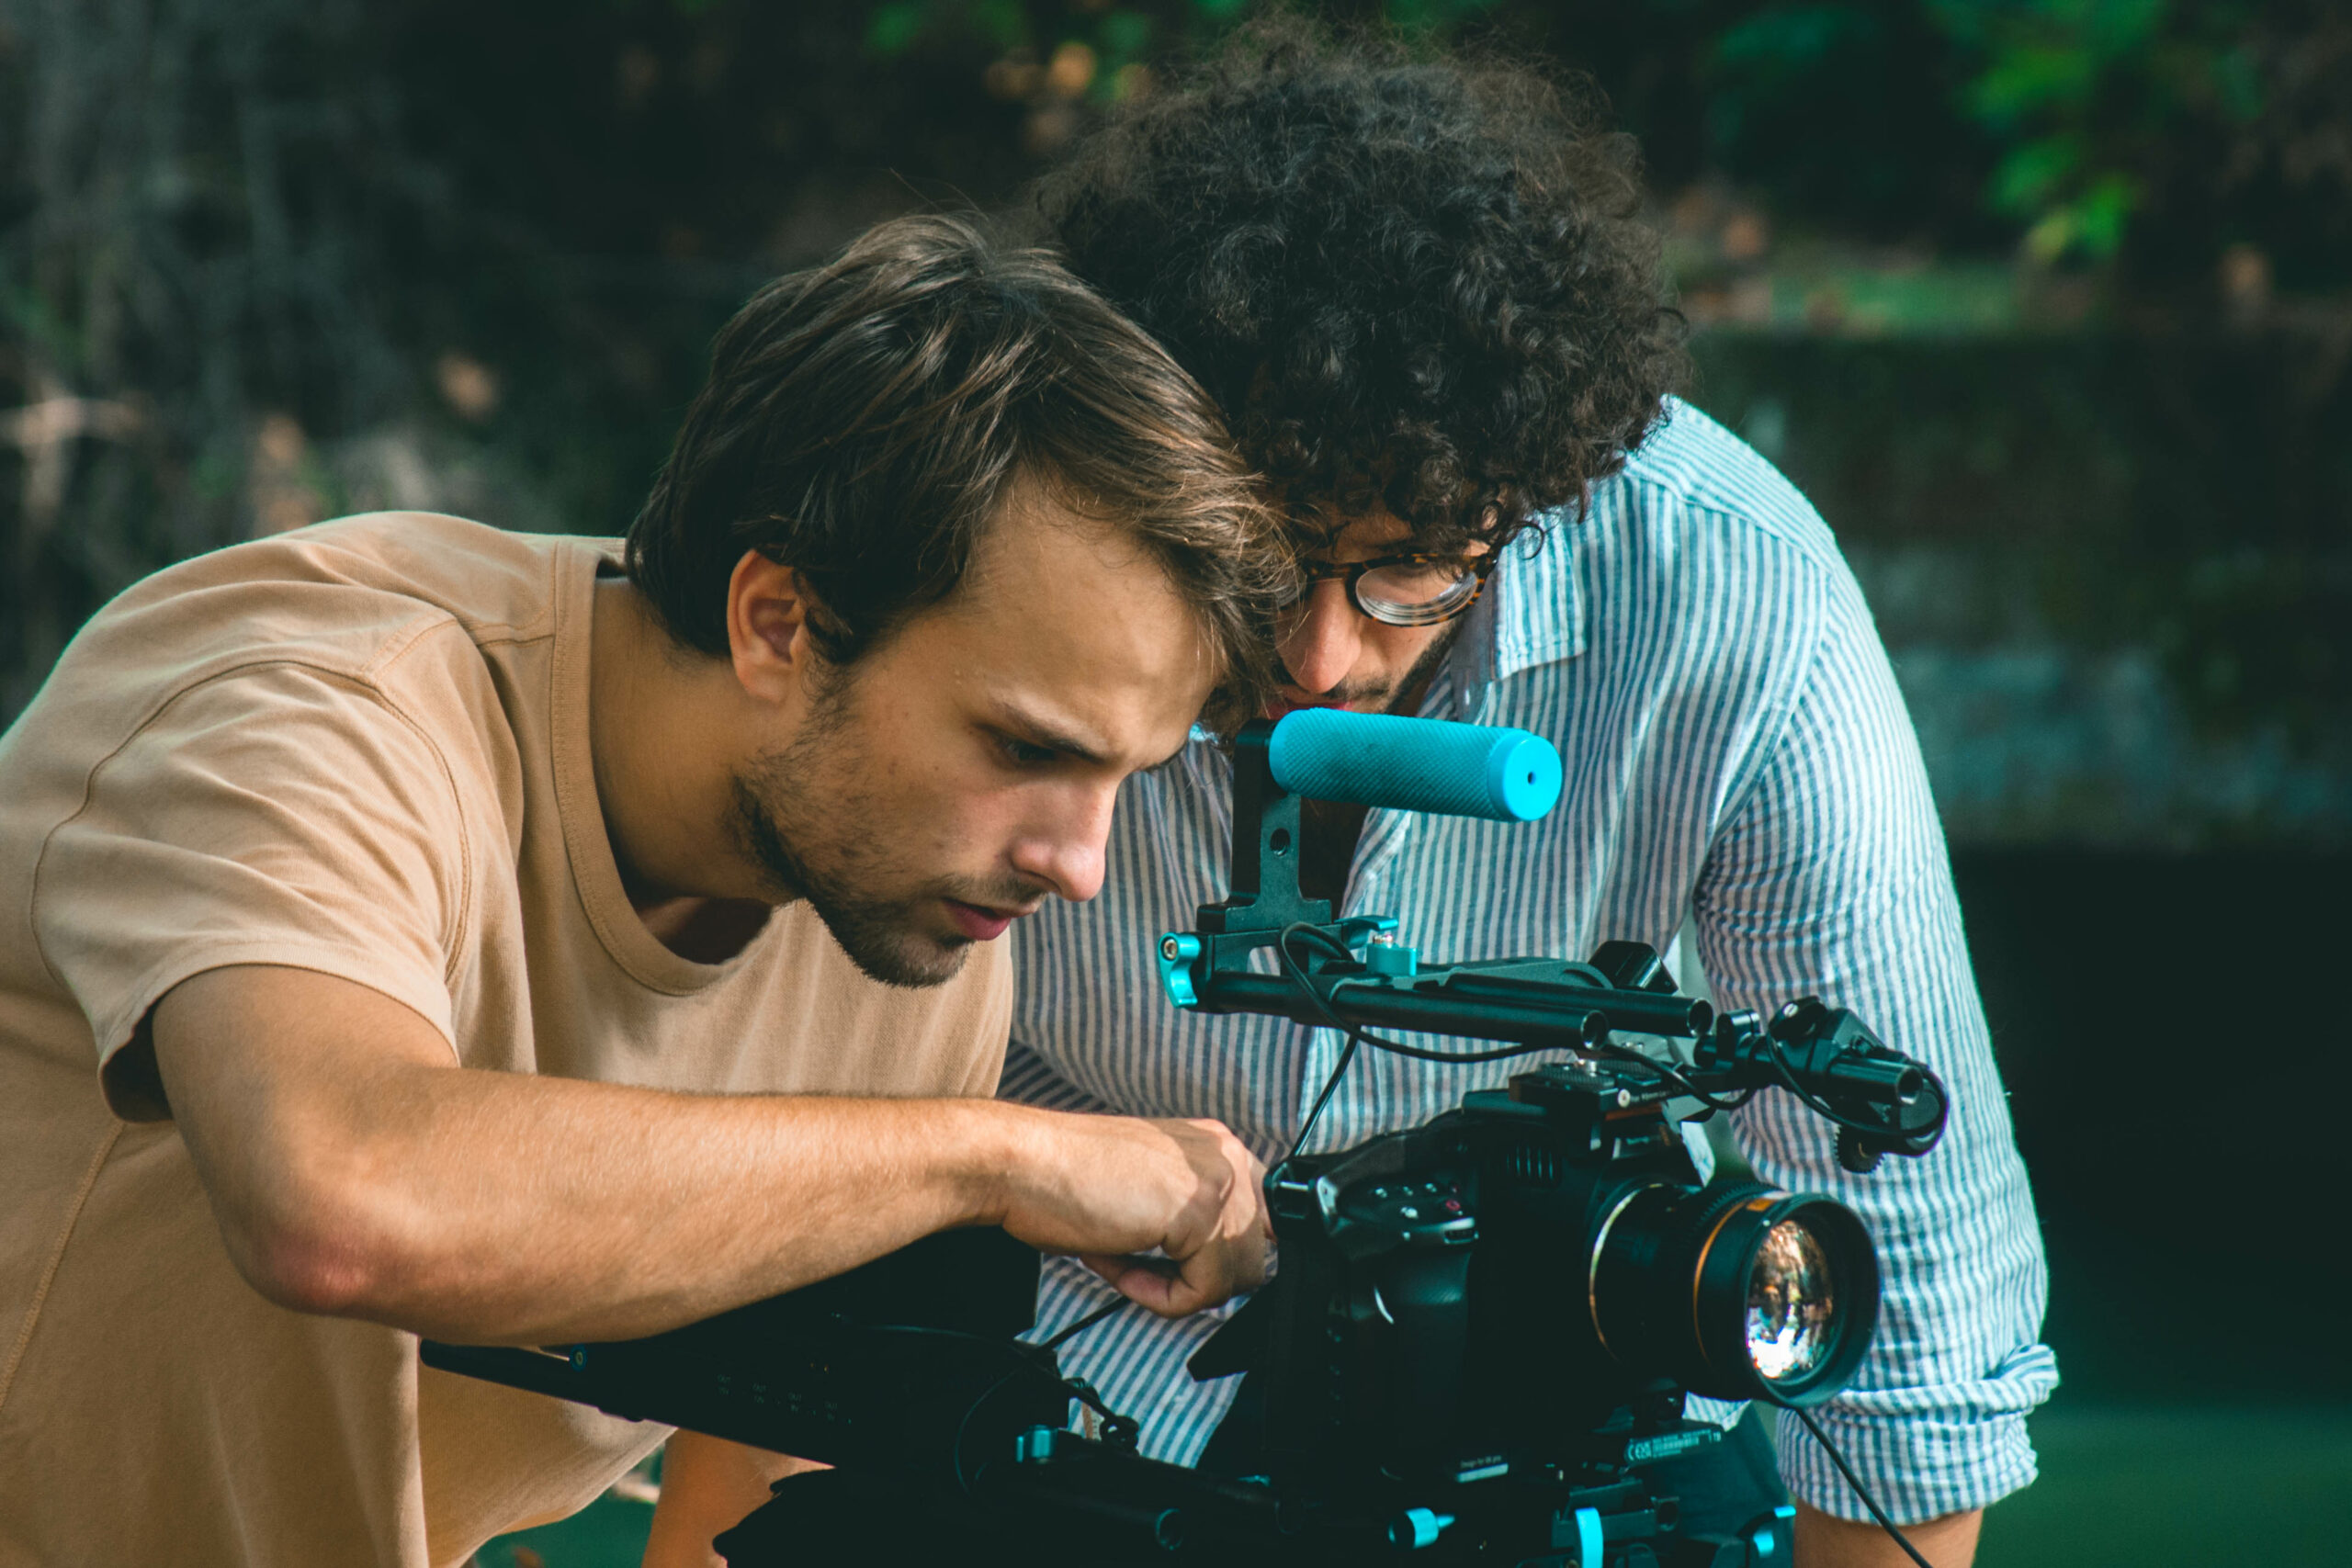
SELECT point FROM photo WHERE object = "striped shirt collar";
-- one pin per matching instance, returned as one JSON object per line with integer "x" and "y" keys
{"x": 1530, "y": 613}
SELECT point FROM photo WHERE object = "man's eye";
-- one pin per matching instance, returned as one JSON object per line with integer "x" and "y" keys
{"x": 1027, "y": 754}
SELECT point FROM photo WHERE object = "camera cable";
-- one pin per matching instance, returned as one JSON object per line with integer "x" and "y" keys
{"x": 1027, "y": 1356}
{"x": 1064, "y": 1335}
{"x": 1669, "y": 1075}
{"x": 1666, "y": 1073}
{"x": 1356, "y": 1036}
{"x": 1119, "y": 1431}
{"x": 1860, "y": 1490}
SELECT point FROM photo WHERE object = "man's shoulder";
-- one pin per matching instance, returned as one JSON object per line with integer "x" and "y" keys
{"x": 344, "y": 582}
{"x": 1697, "y": 530}
{"x": 1692, "y": 472}
{"x": 349, "y": 600}
{"x": 387, "y": 624}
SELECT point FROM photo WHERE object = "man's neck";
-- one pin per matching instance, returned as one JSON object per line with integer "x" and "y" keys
{"x": 662, "y": 789}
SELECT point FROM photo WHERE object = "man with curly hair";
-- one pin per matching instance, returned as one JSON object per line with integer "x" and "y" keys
{"x": 1421, "y": 297}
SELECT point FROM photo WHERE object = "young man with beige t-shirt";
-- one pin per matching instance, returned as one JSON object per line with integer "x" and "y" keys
{"x": 519, "y": 940}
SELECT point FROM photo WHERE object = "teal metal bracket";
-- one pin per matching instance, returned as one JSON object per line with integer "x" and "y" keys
{"x": 1185, "y": 959}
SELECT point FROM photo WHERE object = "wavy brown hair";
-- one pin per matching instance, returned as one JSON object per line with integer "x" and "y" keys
{"x": 865, "y": 421}
{"x": 1418, "y": 282}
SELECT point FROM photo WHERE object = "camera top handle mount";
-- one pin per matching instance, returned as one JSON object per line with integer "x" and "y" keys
{"x": 1358, "y": 973}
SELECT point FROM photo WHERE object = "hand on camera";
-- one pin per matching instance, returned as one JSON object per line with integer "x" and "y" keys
{"x": 1112, "y": 1187}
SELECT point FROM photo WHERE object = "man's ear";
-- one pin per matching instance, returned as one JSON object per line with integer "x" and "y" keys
{"x": 768, "y": 607}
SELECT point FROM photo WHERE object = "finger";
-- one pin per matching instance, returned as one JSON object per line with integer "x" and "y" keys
{"x": 1248, "y": 1214}
{"x": 1148, "y": 1283}
{"x": 1179, "y": 1295}
{"x": 1250, "y": 1254}
{"x": 1106, "y": 1266}
{"x": 1162, "y": 1287}
{"x": 1217, "y": 1273}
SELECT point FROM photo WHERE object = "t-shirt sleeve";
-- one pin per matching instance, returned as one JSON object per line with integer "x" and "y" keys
{"x": 278, "y": 815}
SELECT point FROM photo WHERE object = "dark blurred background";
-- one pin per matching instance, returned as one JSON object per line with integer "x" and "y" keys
{"x": 2046, "y": 303}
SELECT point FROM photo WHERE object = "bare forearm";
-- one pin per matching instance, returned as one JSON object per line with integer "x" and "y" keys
{"x": 1824, "y": 1540}
{"x": 355, "y": 1170}
{"x": 536, "y": 1210}
{"x": 500, "y": 1207}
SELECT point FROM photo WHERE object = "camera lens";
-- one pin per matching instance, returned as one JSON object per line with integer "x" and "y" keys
{"x": 1736, "y": 1289}
{"x": 1792, "y": 1303}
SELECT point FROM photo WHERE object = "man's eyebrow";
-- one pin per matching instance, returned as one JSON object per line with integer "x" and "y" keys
{"x": 1045, "y": 732}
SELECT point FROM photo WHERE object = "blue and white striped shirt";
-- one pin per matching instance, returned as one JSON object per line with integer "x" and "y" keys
{"x": 1737, "y": 756}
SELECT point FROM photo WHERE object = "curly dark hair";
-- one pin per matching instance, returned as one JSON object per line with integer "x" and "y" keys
{"x": 1422, "y": 282}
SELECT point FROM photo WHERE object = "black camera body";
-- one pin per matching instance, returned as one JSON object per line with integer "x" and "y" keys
{"x": 1529, "y": 1283}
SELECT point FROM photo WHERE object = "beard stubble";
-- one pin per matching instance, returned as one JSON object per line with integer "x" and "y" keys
{"x": 803, "y": 815}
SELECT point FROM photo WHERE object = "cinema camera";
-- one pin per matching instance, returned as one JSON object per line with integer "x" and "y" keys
{"x": 1481, "y": 1328}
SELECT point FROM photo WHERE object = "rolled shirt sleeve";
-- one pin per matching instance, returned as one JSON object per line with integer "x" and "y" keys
{"x": 1832, "y": 879}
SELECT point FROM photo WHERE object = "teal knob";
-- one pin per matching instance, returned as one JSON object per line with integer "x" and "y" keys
{"x": 1384, "y": 954}
{"x": 1176, "y": 951}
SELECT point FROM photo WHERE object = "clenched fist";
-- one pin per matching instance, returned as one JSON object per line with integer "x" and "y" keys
{"x": 1108, "y": 1188}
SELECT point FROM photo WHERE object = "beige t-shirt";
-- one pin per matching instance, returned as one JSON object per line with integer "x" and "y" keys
{"x": 360, "y": 749}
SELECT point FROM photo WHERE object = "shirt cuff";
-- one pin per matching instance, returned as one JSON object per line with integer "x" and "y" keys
{"x": 1920, "y": 1464}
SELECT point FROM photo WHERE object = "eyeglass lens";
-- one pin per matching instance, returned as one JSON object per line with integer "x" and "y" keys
{"x": 1415, "y": 592}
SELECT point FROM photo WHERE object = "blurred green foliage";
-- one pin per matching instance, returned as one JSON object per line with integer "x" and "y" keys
{"x": 2078, "y": 92}
{"x": 262, "y": 261}
{"x": 2059, "y": 124}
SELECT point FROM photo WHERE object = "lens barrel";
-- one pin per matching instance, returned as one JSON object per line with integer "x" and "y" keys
{"x": 1736, "y": 1289}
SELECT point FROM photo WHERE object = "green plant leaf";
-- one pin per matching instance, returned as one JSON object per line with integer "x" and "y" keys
{"x": 894, "y": 28}
{"x": 2029, "y": 177}
{"x": 2103, "y": 214}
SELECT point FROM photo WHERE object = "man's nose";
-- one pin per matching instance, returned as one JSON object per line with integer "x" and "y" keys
{"x": 1321, "y": 648}
{"x": 1064, "y": 850}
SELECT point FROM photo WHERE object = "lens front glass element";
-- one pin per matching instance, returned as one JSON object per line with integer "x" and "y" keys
{"x": 1792, "y": 1303}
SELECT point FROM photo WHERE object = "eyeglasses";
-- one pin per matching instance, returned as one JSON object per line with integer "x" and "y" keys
{"x": 1407, "y": 591}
